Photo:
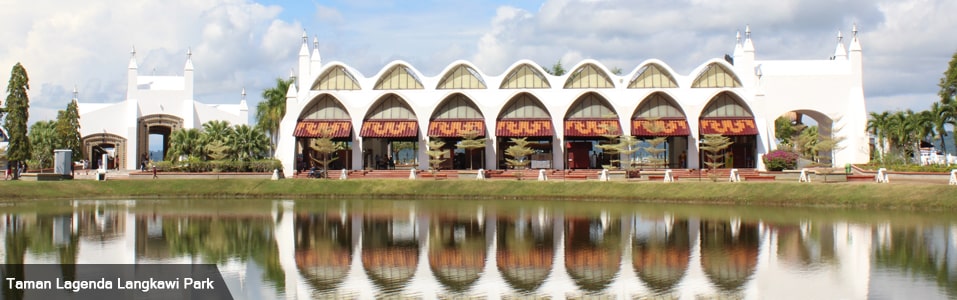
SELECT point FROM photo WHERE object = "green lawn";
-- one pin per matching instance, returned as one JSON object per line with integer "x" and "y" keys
{"x": 864, "y": 195}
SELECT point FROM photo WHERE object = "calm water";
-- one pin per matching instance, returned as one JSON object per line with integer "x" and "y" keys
{"x": 446, "y": 249}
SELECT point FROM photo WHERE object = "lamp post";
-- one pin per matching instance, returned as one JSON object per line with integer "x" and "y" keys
{"x": 700, "y": 158}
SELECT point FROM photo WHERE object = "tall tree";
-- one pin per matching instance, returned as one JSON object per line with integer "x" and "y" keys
{"x": 271, "y": 110}
{"x": 325, "y": 149}
{"x": 17, "y": 111}
{"x": 68, "y": 129}
{"x": 471, "y": 141}
{"x": 714, "y": 145}
{"x": 948, "y": 83}
{"x": 44, "y": 139}
{"x": 557, "y": 69}
{"x": 940, "y": 115}
{"x": 436, "y": 153}
{"x": 878, "y": 125}
{"x": 518, "y": 153}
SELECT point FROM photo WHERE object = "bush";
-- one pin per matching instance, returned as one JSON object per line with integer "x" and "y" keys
{"x": 198, "y": 166}
{"x": 778, "y": 160}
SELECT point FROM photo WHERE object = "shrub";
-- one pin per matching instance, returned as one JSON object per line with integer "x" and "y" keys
{"x": 778, "y": 160}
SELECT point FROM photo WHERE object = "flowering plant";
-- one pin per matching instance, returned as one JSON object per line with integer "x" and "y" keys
{"x": 778, "y": 160}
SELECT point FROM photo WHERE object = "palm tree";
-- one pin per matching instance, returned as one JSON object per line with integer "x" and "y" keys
{"x": 248, "y": 142}
{"x": 878, "y": 126}
{"x": 941, "y": 115}
{"x": 184, "y": 142}
{"x": 44, "y": 140}
{"x": 215, "y": 131}
{"x": 272, "y": 109}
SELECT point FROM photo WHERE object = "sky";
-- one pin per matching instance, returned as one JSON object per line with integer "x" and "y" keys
{"x": 238, "y": 44}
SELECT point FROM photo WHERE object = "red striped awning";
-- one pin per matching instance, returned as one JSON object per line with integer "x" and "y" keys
{"x": 317, "y": 128}
{"x": 728, "y": 126}
{"x": 524, "y": 127}
{"x": 454, "y": 128}
{"x": 389, "y": 129}
{"x": 660, "y": 127}
{"x": 592, "y": 127}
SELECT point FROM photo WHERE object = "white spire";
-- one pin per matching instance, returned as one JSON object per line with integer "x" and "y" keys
{"x": 316, "y": 62}
{"x": 855, "y": 43}
{"x": 242, "y": 102}
{"x": 244, "y": 93}
{"x": 189, "y": 60}
{"x": 132, "y": 58}
{"x": 840, "y": 53}
{"x": 292, "y": 73}
{"x": 738, "y": 50}
{"x": 75, "y": 93}
{"x": 304, "y": 49}
{"x": 748, "y": 45}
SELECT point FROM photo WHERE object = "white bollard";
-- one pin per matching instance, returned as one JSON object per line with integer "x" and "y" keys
{"x": 541, "y": 175}
{"x": 343, "y": 175}
{"x": 481, "y": 174}
{"x": 604, "y": 175}
{"x": 412, "y": 174}
{"x": 882, "y": 176}
{"x": 953, "y": 177}
{"x": 805, "y": 177}
{"x": 669, "y": 177}
{"x": 735, "y": 177}
{"x": 275, "y": 174}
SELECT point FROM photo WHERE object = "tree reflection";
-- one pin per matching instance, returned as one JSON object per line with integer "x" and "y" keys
{"x": 457, "y": 250}
{"x": 806, "y": 245}
{"x": 323, "y": 248}
{"x": 926, "y": 252}
{"x": 389, "y": 250}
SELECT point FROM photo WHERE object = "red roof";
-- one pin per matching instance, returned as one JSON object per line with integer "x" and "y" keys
{"x": 524, "y": 127}
{"x": 316, "y": 128}
{"x": 389, "y": 128}
{"x": 454, "y": 128}
{"x": 666, "y": 127}
{"x": 592, "y": 127}
{"x": 728, "y": 126}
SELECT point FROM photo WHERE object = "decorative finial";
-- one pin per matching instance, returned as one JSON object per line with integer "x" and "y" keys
{"x": 747, "y": 31}
{"x": 189, "y": 53}
{"x": 737, "y": 37}
{"x": 244, "y": 93}
{"x": 292, "y": 73}
{"x": 315, "y": 41}
{"x": 133, "y": 51}
{"x": 305, "y": 38}
{"x": 75, "y": 93}
{"x": 840, "y": 36}
{"x": 854, "y": 30}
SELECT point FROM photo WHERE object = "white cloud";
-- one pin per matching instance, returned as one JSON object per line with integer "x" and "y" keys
{"x": 235, "y": 44}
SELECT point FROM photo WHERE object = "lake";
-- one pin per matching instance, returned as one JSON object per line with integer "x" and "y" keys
{"x": 443, "y": 249}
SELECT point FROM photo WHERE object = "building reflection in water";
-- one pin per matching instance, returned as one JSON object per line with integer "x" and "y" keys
{"x": 525, "y": 249}
{"x": 385, "y": 249}
{"x": 661, "y": 251}
{"x": 592, "y": 250}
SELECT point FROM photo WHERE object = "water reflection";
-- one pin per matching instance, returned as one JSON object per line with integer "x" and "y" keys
{"x": 370, "y": 249}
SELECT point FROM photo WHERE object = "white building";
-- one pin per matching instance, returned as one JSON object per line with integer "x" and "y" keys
{"x": 567, "y": 115}
{"x": 153, "y": 105}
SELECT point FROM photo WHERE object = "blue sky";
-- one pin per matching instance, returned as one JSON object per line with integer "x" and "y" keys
{"x": 245, "y": 43}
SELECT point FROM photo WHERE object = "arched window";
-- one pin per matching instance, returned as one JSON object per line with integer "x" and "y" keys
{"x": 399, "y": 77}
{"x": 588, "y": 76}
{"x": 525, "y": 77}
{"x": 336, "y": 78}
{"x": 652, "y": 76}
{"x": 716, "y": 76}
{"x": 461, "y": 77}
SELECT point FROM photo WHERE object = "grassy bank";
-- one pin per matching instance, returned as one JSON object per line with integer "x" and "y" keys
{"x": 867, "y": 195}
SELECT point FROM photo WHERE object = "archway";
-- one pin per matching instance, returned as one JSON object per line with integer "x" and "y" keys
{"x": 727, "y": 115}
{"x": 590, "y": 121}
{"x": 456, "y": 117}
{"x": 114, "y": 146}
{"x": 659, "y": 116}
{"x": 807, "y": 132}
{"x": 525, "y": 117}
{"x": 153, "y": 137}
{"x": 324, "y": 117}
{"x": 390, "y": 134}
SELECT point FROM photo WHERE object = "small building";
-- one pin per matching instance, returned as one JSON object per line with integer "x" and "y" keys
{"x": 154, "y": 105}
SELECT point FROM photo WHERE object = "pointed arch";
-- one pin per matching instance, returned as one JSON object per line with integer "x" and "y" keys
{"x": 336, "y": 78}
{"x": 524, "y": 116}
{"x": 525, "y": 76}
{"x": 324, "y": 115}
{"x": 589, "y": 76}
{"x": 716, "y": 75}
{"x": 461, "y": 77}
{"x": 591, "y": 116}
{"x": 659, "y": 115}
{"x": 726, "y": 105}
{"x": 389, "y": 117}
{"x": 652, "y": 76}
{"x": 399, "y": 77}
{"x": 457, "y": 113}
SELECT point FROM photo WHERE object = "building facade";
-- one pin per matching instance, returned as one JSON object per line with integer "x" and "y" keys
{"x": 154, "y": 105}
{"x": 567, "y": 116}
